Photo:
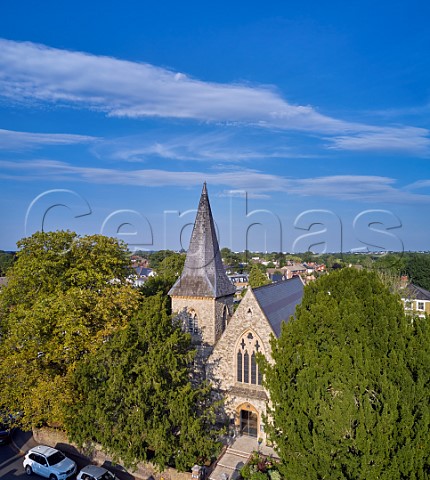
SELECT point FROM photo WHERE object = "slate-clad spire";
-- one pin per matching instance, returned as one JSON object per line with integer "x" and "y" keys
{"x": 203, "y": 274}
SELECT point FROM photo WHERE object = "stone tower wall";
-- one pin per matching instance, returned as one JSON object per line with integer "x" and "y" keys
{"x": 209, "y": 312}
{"x": 205, "y": 310}
{"x": 219, "y": 321}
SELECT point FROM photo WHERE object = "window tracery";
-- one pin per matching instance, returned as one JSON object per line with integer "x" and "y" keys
{"x": 247, "y": 370}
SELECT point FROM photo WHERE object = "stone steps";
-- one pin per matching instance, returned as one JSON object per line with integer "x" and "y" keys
{"x": 239, "y": 453}
{"x": 236, "y": 456}
{"x": 229, "y": 464}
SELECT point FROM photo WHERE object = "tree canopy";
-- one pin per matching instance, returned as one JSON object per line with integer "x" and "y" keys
{"x": 418, "y": 269}
{"x": 6, "y": 261}
{"x": 155, "y": 258}
{"x": 134, "y": 395}
{"x": 257, "y": 278}
{"x": 66, "y": 294}
{"x": 350, "y": 384}
{"x": 171, "y": 267}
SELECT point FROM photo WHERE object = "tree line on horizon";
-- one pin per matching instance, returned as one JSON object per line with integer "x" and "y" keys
{"x": 415, "y": 265}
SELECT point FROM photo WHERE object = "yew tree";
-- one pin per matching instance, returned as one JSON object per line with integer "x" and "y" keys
{"x": 350, "y": 384}
{"x": 135, "y": 396}
{"x": 66, "y": 294}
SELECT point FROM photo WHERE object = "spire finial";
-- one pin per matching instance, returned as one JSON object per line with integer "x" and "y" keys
{"x": 205, "y": 190}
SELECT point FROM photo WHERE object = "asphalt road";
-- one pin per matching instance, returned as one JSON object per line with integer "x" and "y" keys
{"x": 11, "y": 463}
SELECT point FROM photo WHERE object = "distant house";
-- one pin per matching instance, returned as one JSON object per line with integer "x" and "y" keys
{"x": 141, "y": 275}
{"x": 138, "y": 260}
{"x": 143, "y": 271}
{"x": 416, "y": 300}
{"x": 277, "y": 277}
{"x": 239, "y": 280}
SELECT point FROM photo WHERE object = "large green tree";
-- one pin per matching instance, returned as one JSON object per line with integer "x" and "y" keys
{"x": 170, "y": 268}
{"x": 66, "y": 295}
{"x": 135, "y": 394}
{"x": 350, "y": 384}
{"x": 257, "y": 278}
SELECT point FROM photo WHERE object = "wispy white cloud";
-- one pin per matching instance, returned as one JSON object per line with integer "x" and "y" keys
{"x": 418, "y": 185}
{"x": 238, "y": 179}
{"x": 220, "y": 145}
{"x": 124, "y": 88}
{"x": 412, "y": 111}
{"x": 234, "y": 181}
{"x": 13, "y": 140}
{"x": 130, "y": 89}
{"x": 407, "y": 139}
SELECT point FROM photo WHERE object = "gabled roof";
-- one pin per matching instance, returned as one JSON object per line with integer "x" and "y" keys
{"x": 142, "y": 271}
{"x": 204, "y": 274}
{"x": 279, "y": 300}
{"x": 417, "y": 293}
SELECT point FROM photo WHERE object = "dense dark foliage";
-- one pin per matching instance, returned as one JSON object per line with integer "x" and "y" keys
{"x": 350, "y": 384}
{"x": 418, "y": 269}
{"x": 135, "y": 397}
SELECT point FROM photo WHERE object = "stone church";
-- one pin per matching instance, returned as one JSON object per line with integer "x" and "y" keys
{"x": 227, "y": 342}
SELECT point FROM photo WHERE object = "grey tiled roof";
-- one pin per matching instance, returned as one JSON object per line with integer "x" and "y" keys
{"x": 417, "y": 293}
{"x": 278, "y": 301}
{"x": 203, "y": 274}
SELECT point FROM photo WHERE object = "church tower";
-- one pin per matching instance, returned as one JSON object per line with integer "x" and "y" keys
{"x": 203, "y": 294}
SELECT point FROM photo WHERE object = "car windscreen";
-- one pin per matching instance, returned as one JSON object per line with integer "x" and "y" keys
{"x": 55, "y": 458}
{"x": 106, "y": 476}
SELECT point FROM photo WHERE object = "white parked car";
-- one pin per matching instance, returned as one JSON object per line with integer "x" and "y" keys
{"x": 91, "y": 472}
{"x": 48, "y": 462}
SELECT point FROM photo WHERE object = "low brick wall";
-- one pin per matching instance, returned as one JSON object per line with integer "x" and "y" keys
{"x": 58, "y": 439}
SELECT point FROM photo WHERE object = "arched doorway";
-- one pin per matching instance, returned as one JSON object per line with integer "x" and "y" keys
{"x": 247, "y": 419}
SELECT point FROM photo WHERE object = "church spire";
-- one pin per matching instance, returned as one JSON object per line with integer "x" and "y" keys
{"x": 203, "y": 274}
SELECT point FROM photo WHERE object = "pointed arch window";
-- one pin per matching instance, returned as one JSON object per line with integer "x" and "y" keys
{"x": 239, "y": 366}
{"x": 193, "y": 325}
{"x": 253, "y": 369}
{"x": 246, "y": 367}
{"x": 247, "y": 370}
{"x": 224, "y": 317}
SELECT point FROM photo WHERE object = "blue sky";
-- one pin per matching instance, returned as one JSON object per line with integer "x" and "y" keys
{"x": 309, "y": 121}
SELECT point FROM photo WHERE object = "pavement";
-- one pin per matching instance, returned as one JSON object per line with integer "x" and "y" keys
{"x": 22, "y": 441}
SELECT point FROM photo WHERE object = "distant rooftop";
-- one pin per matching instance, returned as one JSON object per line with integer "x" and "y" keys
{"x": 417, "y": 293}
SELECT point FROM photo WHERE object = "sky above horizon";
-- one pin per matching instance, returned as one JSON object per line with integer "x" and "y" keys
{"x": 309, "y": 122}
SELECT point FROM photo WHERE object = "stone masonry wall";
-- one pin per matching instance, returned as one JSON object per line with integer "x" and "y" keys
{"x": 221, "y": 366}
{"x": 220, "y": 304}
{"x": 205, "y": 310}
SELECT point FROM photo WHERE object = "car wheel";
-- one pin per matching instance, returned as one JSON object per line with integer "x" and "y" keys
{"x": 52, "y": 477}
{"x": 28, "y": 470}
